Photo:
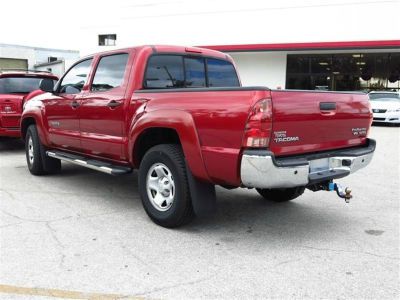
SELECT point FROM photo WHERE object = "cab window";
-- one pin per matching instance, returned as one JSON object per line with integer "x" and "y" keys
{"x": 110, "y": 72}
{"x": 75, "y": 79}
{"x": 221, "y": 73}
{"x": 164, "y": 71}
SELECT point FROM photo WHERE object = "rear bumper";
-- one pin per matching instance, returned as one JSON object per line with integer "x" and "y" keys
{"x": 260, "y": 168}
{"x": 10, "y": 132}
{"x": 392, "y": 117}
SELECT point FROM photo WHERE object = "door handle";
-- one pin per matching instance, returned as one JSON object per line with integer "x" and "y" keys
{"x": 327, "y": 105}
{"x": 113, "y": 104}
{"x": 75, "y": 104}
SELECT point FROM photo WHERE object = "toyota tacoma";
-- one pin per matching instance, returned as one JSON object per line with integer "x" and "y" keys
{"x": 181, "y": 117}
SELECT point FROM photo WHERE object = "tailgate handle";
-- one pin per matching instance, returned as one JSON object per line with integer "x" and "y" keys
{"x": 327, "y": 105}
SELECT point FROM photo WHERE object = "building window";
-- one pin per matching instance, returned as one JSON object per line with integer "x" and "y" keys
{"x": 344, "y": 72}
{"x": 107, "y": 39}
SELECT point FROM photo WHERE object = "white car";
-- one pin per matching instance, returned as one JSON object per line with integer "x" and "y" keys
{"x": 385, "y": 107}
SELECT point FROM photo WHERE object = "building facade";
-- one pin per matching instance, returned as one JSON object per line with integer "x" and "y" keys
{"x": 34, "y": 58}
{"x": 337, "y": 66}
{"x": 325, "y": 44}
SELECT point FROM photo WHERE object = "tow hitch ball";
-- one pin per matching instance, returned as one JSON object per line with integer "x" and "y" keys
{"x": 342, "y": 193}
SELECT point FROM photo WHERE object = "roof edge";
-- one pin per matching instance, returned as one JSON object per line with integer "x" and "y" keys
{"x": 343, "y": 45}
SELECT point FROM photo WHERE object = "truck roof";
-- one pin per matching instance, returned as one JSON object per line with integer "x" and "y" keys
{"x": 169, "y": 49}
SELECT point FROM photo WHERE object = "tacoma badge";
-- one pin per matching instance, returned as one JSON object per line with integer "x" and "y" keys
{"x": 280, "y": 136}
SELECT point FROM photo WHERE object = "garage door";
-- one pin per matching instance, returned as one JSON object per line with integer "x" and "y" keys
{"x": 12, "y": 63}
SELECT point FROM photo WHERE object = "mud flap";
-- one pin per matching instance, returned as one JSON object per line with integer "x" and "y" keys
{"x": 202, "y": 194}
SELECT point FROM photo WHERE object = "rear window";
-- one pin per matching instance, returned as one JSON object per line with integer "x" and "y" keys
{"x": 384, "y": 96}
{"x": 164, "y": 71}
{"x": 19, "y": 85}
{"x": 195, "y": 72}
{"x": 177, "y": 71}
{"x": 221, "y": 73}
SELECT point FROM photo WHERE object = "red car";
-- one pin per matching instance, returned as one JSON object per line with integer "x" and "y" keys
{"x": 180, "y": 116}
{"x": 14, "y": 88}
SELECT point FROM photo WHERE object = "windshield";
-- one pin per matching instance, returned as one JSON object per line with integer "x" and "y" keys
{"x": 384, "y": 96}
{"x": 19, "y": 85}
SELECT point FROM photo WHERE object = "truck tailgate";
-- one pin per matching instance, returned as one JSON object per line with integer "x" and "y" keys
{"x": 312, "y": 121}
{"x": 10, "y": 110}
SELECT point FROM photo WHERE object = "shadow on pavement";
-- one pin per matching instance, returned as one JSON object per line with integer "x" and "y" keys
{"x": 11, "y": 144}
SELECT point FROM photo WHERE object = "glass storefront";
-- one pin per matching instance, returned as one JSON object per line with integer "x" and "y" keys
{"x": 344, "y": 72}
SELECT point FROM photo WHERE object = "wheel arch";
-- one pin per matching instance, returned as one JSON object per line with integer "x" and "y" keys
{"x": 30, "y": 119}
{"x": 167, "y": 126}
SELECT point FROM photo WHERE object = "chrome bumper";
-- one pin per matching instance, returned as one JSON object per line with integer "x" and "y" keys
{"x": 260, "y": 169}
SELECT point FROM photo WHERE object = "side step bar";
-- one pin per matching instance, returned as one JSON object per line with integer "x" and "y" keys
{"x": 97, "y": 165}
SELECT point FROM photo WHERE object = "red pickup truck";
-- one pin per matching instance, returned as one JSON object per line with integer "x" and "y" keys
{"x": 15, "y": 86}
{"x": 180, "y": 116}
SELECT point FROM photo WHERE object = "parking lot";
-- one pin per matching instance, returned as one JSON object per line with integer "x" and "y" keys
{"x": 83, "y": 234}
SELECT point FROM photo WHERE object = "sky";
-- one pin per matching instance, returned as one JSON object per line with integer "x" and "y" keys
{"x": 73, "y": 24}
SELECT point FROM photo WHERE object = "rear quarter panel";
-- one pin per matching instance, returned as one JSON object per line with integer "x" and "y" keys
{"x": 219, "y": 118}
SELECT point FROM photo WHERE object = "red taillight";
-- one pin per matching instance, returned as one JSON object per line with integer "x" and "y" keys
{"x": 259, "y": 125}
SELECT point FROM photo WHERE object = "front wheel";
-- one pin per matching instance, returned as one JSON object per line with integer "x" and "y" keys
{"x": 38, "y": 162}
{"x": 281, "y": 195}
{"x": 163, "y": 186}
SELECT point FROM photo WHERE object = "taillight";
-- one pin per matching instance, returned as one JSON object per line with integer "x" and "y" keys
{"x": 259, "y": 125}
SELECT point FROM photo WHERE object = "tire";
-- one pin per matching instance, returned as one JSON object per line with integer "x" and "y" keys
{"x": 163, "y": 186}
{"x": 281, "y": 195}
{"x": 38, "y": 162}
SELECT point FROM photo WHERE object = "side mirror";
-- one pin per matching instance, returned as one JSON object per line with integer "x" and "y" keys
{"x": 46, "y": 85}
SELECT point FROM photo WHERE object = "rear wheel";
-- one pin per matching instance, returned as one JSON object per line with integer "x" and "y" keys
{"x": 281, "y": 195}
{"x": 163, "y": 186}
{"x": 38, "y": 162}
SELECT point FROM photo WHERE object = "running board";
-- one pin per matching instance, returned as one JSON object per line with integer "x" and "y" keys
{"x": 93, "y": 164}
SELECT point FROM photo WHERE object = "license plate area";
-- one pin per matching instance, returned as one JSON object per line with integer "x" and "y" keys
{"x": 318, "y": 165}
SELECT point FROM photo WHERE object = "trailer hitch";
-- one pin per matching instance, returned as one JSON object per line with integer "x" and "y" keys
{"x": 342, "y": 193}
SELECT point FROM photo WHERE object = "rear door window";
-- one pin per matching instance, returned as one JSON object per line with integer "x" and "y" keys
{"x": 110, "y": 72}
{"x": 164, "y": 71}
{"x": 221, "y": 73}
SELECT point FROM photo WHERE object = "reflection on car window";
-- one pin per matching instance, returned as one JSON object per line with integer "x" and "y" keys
{"x": 195, "y": 72}
{"x": 110, "y": 72}
{"x": 221, "y": 73}
{"x": 75, "y": 79}
{"x": 384, "y": 96}
{"x": 19, "y": 85}
{"x": 164, "y": 71}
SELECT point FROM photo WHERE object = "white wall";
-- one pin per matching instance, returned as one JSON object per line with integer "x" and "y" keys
{"x": 56, "y": 68}
{"x": 261, "y": 68}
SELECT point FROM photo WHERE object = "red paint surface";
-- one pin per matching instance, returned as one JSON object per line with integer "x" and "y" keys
{"x": 210, "y": 124}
